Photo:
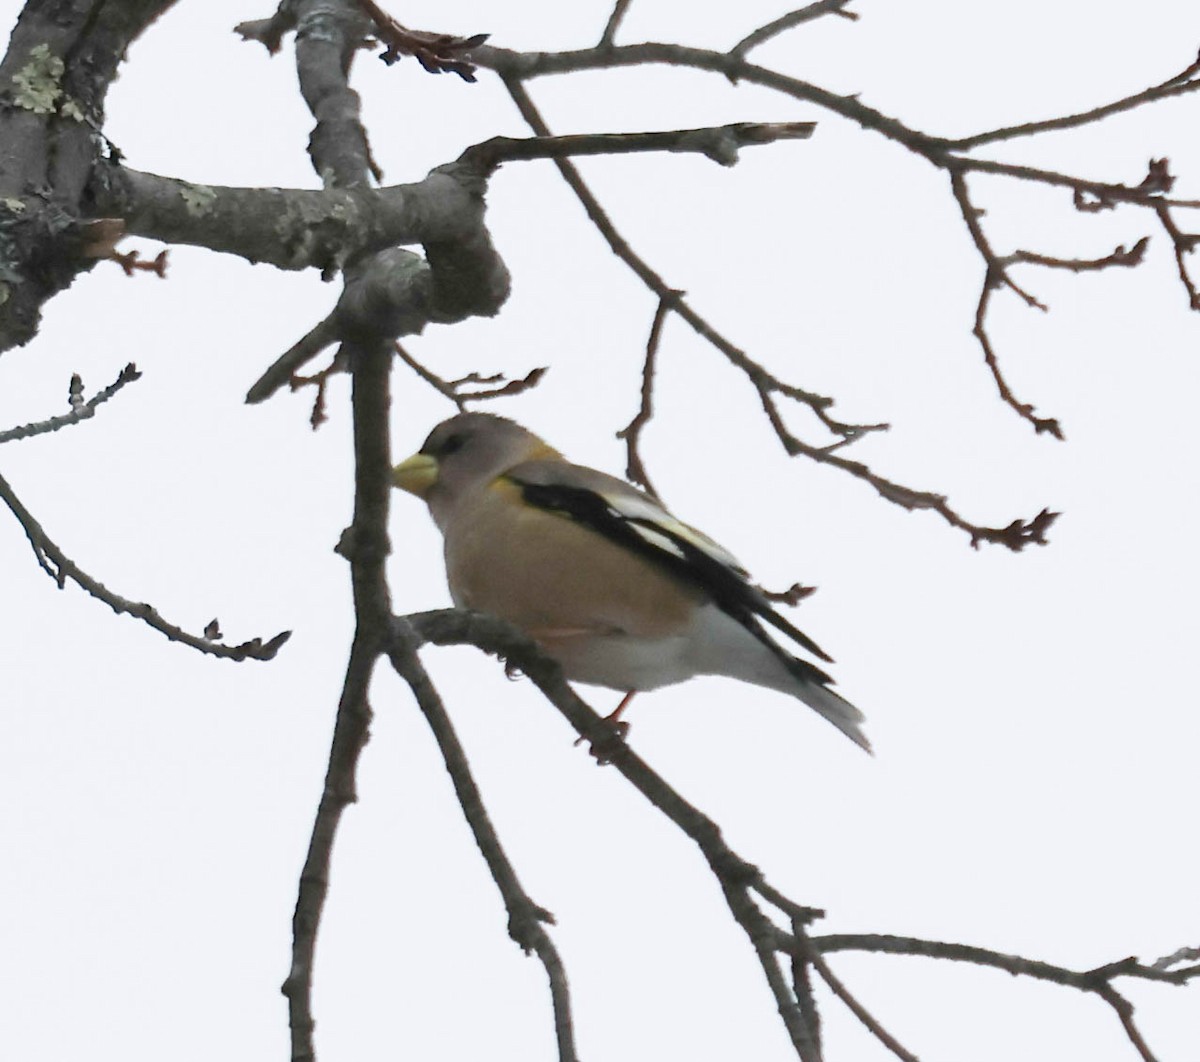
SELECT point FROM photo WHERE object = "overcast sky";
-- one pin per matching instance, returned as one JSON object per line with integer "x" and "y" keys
{"x": 1034, "y": 715}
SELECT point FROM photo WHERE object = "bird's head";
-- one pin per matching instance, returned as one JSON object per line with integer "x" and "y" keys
{"x": 463, "y": 454}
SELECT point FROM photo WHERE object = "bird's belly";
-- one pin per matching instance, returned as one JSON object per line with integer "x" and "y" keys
{"x": 618, "y": 661}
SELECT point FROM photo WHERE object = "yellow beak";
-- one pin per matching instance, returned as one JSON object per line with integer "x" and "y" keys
{"x": 417, "y": 475}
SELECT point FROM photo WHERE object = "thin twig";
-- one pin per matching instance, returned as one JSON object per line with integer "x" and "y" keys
{"x": 1014, "y": 536}
{"x": 858, "y": 1010}
{"x": 613, "y": 24}
{"x": 1097, "y": 981}
{"x": 525, "y": 918}
{"x": 438, "y": 53}
{"x": 979, "y": 330}
{"x": 1124, "y": 1012}
{"x": 1121, "y": 256}
{"x": 1183, "y": 243}
{"x": 320, "y": 380}
{"x": 1085, "y": 981}
{"x": 792, "y": 18}
{"x": 635, "y": 469}
{"x": 802, "y": 987}
{"x": 1184, "y": 954}
{"x": 79, "y": 411}
{"x": 995, "y": 275}
{"x": 61, "y": 568}
{"x": 1178, "y": 85}
{"x": 453, "y": 389}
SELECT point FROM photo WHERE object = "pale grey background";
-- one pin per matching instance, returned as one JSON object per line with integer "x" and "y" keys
{"x": 1034, "y": 715}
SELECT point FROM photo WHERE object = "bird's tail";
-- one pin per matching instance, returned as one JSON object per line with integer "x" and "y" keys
{"x": 839, "y": 711}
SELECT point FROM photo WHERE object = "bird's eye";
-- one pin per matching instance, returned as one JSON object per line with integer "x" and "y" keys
{"x": 452, "y": 445}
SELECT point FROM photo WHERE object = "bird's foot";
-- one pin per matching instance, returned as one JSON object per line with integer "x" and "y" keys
{"x": 618, "y": 731}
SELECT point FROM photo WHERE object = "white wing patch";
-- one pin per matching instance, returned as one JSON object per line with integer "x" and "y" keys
{"x": 654, "y": 525}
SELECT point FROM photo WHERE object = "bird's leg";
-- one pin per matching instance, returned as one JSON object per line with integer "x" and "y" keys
{"x": 620, "y": 728}
{"x": 614, "y": 717}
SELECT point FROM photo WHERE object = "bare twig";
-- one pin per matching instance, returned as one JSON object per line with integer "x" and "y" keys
{"x": 720, "y": 143}
{"x": 1175, "y": 958}
{"x": 802, "y": 986}
{"x": 79, "y": 410}
{"x": 613, "y": 24}
{"x": 1183, "y": 243}
{"x": 61, "y": 568}
{"x": 1121, "y": 256}
{"x": 453, "y": 389}
{"x": 979, "y": 330}
{"x": 1085, "y": 981}
{"x": 1014, "y": 536}
{"x": 525, "y": 918}
{"x": 792, "y": 18}
{"x": 996, "y": 275}
{"x": 515, "y": 67}
{"x": 1097, "y": 981}
{"x": 857, "y": 1009}
{"x": 737, "y": 878}
{"x": 320, "y": 380}
{"x": 131, "y": 262}
{"x": 792, "y": 596}
{"x": 1181, "y": 83}
{"x": 635, "y": 469}
{"x": 438, "y": 53}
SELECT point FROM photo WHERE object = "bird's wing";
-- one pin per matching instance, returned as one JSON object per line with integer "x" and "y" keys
{"x": 626, "y": 516}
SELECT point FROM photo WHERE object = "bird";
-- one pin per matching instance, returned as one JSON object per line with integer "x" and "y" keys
{"x": 599, "y": 574}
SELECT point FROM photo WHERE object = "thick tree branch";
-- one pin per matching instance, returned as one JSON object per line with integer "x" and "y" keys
{"x": 342, "y": 154}
{"x": 60, "y": 62}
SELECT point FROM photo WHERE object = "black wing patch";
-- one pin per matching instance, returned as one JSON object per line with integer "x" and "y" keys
{"x": 729, "y": 588}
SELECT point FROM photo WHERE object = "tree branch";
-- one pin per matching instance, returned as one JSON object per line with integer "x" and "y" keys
{"x": 514, "y": 67}
{"x": 635, "y": 470}
{"x": 737, "y": 878}
{"x": 80, "y": 410}
{"x": 60, "y": 62}
{"x": 525, "y": 918}
{"x": 323, "y": 69}
{"x": 61, "y": 568}
{"x": 719, "y": 143}
{"x": 613, "y": 24}
{"x": 793, "y": 18}
{"x": 1181, "y": 84}
{"x": 1097, "y": 981}
{"x": 454, "y": 389}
